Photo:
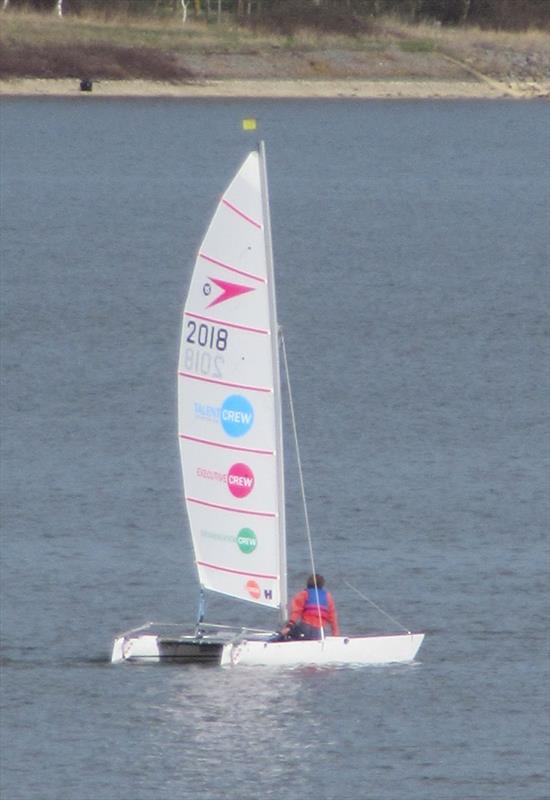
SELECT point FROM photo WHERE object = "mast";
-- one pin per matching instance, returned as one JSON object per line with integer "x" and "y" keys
{"x": 276, "y": 384}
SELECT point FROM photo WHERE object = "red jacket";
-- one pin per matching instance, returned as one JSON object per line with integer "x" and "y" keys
{"x": 297, "y": 612}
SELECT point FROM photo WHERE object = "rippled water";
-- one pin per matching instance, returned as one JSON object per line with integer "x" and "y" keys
{"x": 411, "y": 248}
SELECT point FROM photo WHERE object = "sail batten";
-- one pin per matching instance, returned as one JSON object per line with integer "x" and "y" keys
{"x": 228, "y": 406}
{"x": 241, "y": 214}
{"x": 227, "y": 446}
{"x": 237, "y": 571}
{"x": 244, "y": 511}
{"x": 225, "y": 383}
{"x": 232, "y": 268}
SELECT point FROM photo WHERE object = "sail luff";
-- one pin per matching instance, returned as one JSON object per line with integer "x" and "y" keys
{"x": 277, "y": 384}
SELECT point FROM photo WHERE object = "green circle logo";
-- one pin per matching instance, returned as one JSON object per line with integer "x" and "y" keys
{"x": 246, "y": 539}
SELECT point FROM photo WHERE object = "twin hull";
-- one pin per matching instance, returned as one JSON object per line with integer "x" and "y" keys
{"x": 333, "y": 650}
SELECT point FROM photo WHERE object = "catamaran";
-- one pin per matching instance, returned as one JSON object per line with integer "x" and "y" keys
{"x": 230, "y": 421}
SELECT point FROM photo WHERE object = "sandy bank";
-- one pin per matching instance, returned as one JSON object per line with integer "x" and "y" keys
{"x": 359, "y": 89}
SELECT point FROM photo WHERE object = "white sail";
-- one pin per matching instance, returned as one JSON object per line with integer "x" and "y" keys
{"x": 227, "y": 400}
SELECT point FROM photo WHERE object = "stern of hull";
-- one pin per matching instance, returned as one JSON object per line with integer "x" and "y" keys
{"x": 331, "y": 651}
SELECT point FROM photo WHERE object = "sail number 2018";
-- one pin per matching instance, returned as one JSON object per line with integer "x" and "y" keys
{"x": 207, "y": 335}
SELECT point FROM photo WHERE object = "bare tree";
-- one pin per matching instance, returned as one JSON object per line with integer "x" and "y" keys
{"x": 465, "y": 10}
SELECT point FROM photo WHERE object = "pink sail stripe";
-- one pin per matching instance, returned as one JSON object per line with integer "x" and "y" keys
{"x": 229, "y": 508}
{"x": 241, "y": 213}
{"x": 226, "y": 324}
{"x": 226, "y": 446}
{"x": 238, "y": 571}
{"x": 226, "y": 383}
{"x": 232, "y": 269}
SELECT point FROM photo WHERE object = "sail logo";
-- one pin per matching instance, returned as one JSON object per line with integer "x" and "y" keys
{"x": 229, "y": 291}
{"x": 237, "y": 415}
{"x": 211, "y": 475}
{"x": 240, "y": 480}
{"x": 206, "y": 412}
{"x": 253, "y": 589}
{"x": 216, "y": 536}
{"x": 247, "y": 540}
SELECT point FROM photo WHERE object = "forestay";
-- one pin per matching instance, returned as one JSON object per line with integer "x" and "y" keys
{"x": 228, "y": 400}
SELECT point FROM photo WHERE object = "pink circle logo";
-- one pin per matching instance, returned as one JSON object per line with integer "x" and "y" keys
{"x": 253, "y": 589}
{"x": 240, "y": 480}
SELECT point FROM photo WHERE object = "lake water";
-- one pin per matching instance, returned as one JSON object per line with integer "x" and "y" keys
{"x": 411, "y": 246}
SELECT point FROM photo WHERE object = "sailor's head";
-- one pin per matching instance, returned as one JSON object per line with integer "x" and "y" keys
{"x": 315, "y": 581}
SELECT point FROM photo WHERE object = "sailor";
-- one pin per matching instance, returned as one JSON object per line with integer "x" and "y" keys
{"x": 312, "y": 609}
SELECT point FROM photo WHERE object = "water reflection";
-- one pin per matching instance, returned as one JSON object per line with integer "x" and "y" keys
{"x": 235, "y": 728}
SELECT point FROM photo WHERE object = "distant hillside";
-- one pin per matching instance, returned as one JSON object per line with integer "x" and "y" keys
{"x": 162, "y": 48}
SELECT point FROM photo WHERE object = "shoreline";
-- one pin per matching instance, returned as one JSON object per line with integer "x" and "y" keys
{"x": 279, "y": 89}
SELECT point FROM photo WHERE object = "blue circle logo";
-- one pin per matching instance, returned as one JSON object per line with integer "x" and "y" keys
{"x": 237, "y": 415}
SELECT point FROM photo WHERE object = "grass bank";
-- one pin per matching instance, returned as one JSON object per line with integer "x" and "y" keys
{"x": 40, "y": 46}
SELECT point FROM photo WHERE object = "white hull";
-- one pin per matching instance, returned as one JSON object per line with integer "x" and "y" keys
{"x": 151, "y": 648}
{"x": 333, "y": 650}
{"x": 128, "y": 648}
{"x": 155, "y": 642}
